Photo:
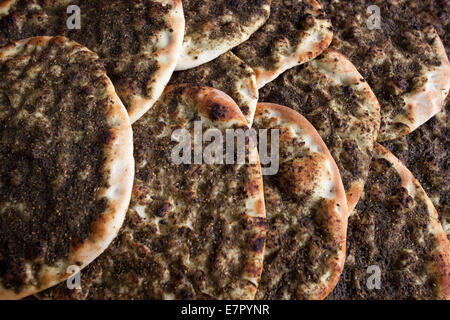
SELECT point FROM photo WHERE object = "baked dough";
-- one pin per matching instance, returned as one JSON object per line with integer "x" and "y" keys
{"x": 336, "y": 99}
{"x": 296, "y": 32}
{"x": 394, "y": 235}
{"x": 66, "y": 163}
{"x": 306, "y": 211}
{"x": 139, "y": 41}
{"x": 193, "y": 231}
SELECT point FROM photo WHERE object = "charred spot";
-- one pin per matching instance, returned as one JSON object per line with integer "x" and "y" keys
{"x": 164, "y": 209}
{"x": 218, "y": 112}
{"x": 37, "y": 251}
{"x": 76, "y": 242}
{"x": 245, "y": 110}
{"x": 258, "y": 244}
{"x": 108, "y": 137}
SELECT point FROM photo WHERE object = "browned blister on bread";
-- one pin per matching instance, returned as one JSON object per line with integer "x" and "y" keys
{"x": 192, "y": 231}
{"x": 296, "y": 32}
{"x": 306, "y": 211}
{"x": 336, "y": 99}
{"x": 139, "y": 41}
{"x": 399, "y": 54}
{"x": 229, "y": 74}
{"x": 396, "y": 247}
{"x": 66, "y": 163}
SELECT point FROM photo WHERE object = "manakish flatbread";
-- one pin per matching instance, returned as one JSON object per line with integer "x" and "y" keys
{"x": 192, "y": 231}
{"x": 334, "y": 97}
{"x": 229, "y": 74}
{"x": 296, "y": 32}
{"x": 306, "y": 211}
{"x": 426, "y": 153}
{"x": 403, "y": 61}
{"x": 213, "y": 27}
{"x": 138, "y": 40}
{"x": 66, "y": 162}
{"x": 394, "y": 228}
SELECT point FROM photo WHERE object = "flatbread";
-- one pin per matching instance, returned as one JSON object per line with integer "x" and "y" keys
{"x": 306, "y": 211}
{"x": 395, "y": 230}
{"x": 296, "y": 32}
{"x": 229, "y": 74}
{"x": 404, "y": 61}
{"x": 66, "y": 162}
{"x": 334, "y": 97}
{"x": 193, "y": 231}
{"x": 139, "y": 40}
{"x": 426, "y": 153}
{"x": 213, "y": 27}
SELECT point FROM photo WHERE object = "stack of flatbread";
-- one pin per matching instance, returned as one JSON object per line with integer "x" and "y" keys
{"x": 192, "y": 149}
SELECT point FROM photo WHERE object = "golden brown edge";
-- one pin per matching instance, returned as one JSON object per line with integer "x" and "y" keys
{"x": 207, "y": 98}
{"x": 5, "y": 5}
{"x": 140, "y": 105}
{"x": 186, "y": 61}
{"x": 423, "y": 104}
{"x": 106, "y": 228}
{"x": 264, "y": 76}
{"x": 338, "y": 222}
{"x": 342, "y": 65}
{"x": 442, "y": 251}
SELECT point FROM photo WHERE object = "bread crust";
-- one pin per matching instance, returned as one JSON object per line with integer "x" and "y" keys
{"x": 425, "y": 102}
{"x": 180, "y": 240}
{"x": 395, "y": 228}
{"x": 119, "y": 164}
{"x": 5, "y": 5}
{"x": 229, "y": 74}
{"x": 403, "y": 60}
{"x": 199, "y": 47}
{"x": 313, "y": 41}
{"x": 139, "y": 59}
{"x": 335, "y": 218}
{"x": 441, "y": 252}
{"x": 331, "y": 73}
{"x": 168, "y": 57}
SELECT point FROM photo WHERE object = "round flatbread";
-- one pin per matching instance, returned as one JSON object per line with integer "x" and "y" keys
{"x": 306, "y": 211}
{"x": 396, "y": 247}
{"x": 66, "y": 163}
{"x": 402, "y": 59}
{"x": 213, "y": 27}
{"x": 193, "y": 231}
{"x": 296, "y": 32}
{"x": 335, "y": 98}
{"x": 139, "y": 40}
{"x": 426, "y": 153}
{"x": 229, "y": 74}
